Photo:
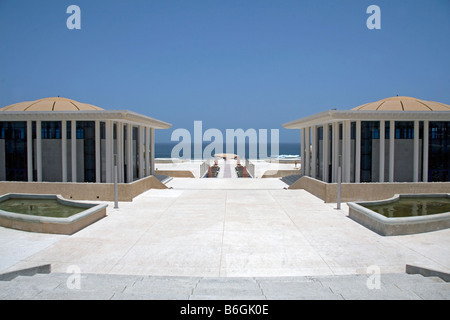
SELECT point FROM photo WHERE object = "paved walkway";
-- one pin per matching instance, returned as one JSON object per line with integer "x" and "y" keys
{"x": 227, "y": 184}
{"x": 223, "y": 233}
{"x": 216, "y": 228}
{"x": 227, "y": 169}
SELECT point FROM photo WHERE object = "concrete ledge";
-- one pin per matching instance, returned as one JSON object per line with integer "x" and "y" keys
{"x": 366, "y": 191}
{"x": 176, "y": 173}
{"x": 313, "y": 186}
{"x": 410, "y": 269}
{"x": 45, "y": 268}
{"x": 279, "y": 173}
{"x": 84, "y": 191}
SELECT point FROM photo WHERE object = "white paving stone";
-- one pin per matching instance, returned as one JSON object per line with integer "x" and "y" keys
{"x": 223, "y": 228}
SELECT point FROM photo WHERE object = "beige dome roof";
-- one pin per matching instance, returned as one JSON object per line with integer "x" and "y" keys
{"x": 403, "y": 104}
{"x": 50, "y": 104}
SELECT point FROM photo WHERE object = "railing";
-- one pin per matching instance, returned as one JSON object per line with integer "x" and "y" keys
{"x": 250, "y": 168}
{"x": 204, "y": 168}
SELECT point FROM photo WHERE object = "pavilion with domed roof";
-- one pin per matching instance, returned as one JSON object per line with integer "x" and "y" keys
{"x": 63, "y": 140}
{"x": 397, "y": 139}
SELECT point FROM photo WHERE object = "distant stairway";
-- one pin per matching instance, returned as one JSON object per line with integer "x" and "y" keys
{"x": 289, "y": 180}
{"x": 164, "y": 179}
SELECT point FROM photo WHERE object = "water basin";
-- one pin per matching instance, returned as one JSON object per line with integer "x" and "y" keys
{"x": 40, "y": 207}
{"x": 47, "y": 213}
{"x": 410, "y": 207}
{"x": 403, "y": 214}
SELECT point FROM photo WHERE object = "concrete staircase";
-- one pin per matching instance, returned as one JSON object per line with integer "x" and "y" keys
{"x": 66, "y": 286}
{"x": 164, "y": 179}
{"x": 291, "y": 179}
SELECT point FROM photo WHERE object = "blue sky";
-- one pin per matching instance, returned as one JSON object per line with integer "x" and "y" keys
{"x": 232, "y": 64}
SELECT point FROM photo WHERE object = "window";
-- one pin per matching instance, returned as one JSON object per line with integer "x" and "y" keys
{"x": 51, "y": 129}
{"x": 86, "y": 131}
{"x": 14, "y": 134}
{"x": 370, "y": 130}
{"x": 404, "y": 130}
{"x": 439, "y": 151}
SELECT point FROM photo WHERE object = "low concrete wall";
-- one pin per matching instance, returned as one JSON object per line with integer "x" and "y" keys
{"x": 133, "y": 189}
{"x": 176, "y": 173}
{"x": 313, "y": 186}
{"x": 84, "y": 191}
{"x": 279, "y": 173}
{"x": 366, "y": 191}
{"x": 410, "y": 269}
{"x": 43, "y": 268}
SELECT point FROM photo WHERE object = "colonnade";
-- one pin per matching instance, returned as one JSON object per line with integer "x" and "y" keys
{"x": 341, "y": 150}
{"x": 119, "y": 149}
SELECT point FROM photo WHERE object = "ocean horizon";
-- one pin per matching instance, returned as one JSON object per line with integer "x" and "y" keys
{"x": 285, "y": 150}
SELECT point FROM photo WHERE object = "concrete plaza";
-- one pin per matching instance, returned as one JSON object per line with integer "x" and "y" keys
{"x": 225, "y": 228}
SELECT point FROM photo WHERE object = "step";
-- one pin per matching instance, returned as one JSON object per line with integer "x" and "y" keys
{"x": 289, "y": 180}
{"x": 302, "y": 289}
{"x": 227, "y": 287}
{"x": 164, "y": 179}
{"x": 54, "y": 286}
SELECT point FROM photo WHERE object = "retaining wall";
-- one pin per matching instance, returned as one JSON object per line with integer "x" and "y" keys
{"x": 366, "y": 191}
{"x": 84, "y": 191}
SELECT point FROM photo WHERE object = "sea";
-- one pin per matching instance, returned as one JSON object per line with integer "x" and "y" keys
{"x": 285, "y": 151}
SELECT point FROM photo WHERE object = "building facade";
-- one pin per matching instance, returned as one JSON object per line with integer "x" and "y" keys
{"x": 397, "y": 139}
{"x": 62, "y": 140}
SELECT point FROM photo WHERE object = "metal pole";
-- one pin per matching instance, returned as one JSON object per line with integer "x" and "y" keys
{"x": 339, "y": 185}
{"x": 116, "y": 192}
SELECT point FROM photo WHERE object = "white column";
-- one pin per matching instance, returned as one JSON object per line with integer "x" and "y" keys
{"x": 426, "y": 140}
{"x": 128, "y": 152}
{"x": 313, "y": 151}
{"x": 108, "y": 151}
{"x": 140, "y": 148}
{"x": 39, "y": 150}
{"x": 346, "y": 150}
{"x": 152, "y": 151}
{"x": 98, "y": 170}
{"x": 335, "y": 156}
{"x": 73, "y": 138}
{"x": 120, "y": 151}
{"x": 302, "y": 150}
{"x": 147, "y": 151}
{"x": 381, "y": 160}
{"x": 391, "y": 150}
{"x": 307, "y": 152}
{"x": 30, "y": 150}
{"x": 416, "y": 152}
{"x": 111, "y": 148}
{"x": 358, "y": 152}
{"x": 325, "y": 147}
{"x": 64, "y": 150}
{"x": 333, "y": 152}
